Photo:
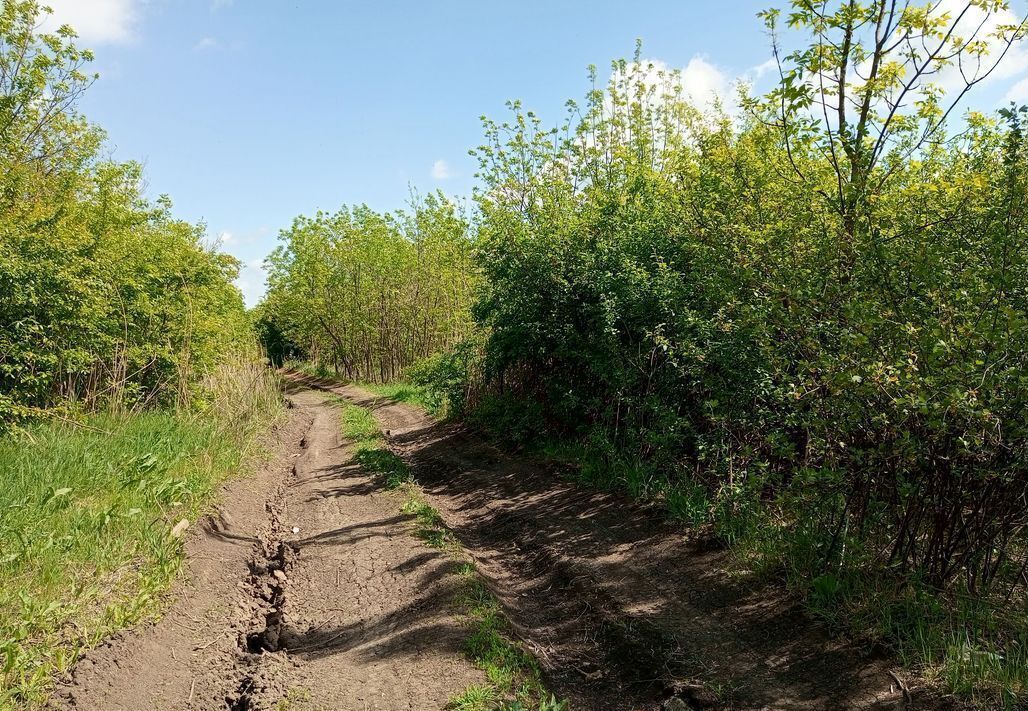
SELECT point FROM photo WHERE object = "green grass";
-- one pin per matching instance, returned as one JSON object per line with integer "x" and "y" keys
{"x": 974, "y": 649}
{"x": 370, "y": 449}
{"x": 315, "y": 370}
{"x": 430, "y": 527}
{"x": 515, "y": 682}
{"x": 85, "y": 532}
{"x": 406, "y": 393}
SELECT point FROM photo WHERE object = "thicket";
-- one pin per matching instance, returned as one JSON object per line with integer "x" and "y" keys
{"x": 805, "y": 322}
{"x": 368, "y": 294}
{"x": 106, "y": 300}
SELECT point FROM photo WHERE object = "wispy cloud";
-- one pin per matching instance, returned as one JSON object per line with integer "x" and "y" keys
{"x": 95, "y": 21}
{"x": 441, "y": 170}
{"x": 220, "y": 4}
{"x": 206, "y": 43}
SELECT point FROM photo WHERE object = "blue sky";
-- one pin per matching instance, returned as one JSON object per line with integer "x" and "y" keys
{"x": 250, "y": 112}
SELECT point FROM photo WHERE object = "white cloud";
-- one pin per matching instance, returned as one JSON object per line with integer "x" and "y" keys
{"x": 1018, "y": 93}
{"x": 206, "y": 43}
{"x": 220, "y": 4}
{"x": 226, "y": 238}
{"x": 704, "y": 83}
{"x": 441, "y": 170}
{"x": 757, "y": 73}
{"x": 95, "y": 21}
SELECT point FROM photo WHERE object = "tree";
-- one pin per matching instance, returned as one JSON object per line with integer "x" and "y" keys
{"x": 877, "y": 83}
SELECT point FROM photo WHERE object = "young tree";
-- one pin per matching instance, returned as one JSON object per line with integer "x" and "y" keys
{"x": 876, "y": 84}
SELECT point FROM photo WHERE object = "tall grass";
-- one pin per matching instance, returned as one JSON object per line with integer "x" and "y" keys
{"x": 86, "y": 519}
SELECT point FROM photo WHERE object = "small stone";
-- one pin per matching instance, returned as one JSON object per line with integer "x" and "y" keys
{"x": 675, "y": 704}
{"x": 296, "y": 529}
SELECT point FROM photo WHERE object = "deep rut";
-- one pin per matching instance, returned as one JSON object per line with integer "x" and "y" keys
{"x": 305, "y": 591}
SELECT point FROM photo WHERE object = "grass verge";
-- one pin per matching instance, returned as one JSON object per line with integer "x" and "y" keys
{"x": 407, "y": 393}
{"x": 86, "y": 526}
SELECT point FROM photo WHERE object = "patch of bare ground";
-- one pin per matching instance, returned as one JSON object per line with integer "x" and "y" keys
{"x": 306, "y": 587}
{"x": 622, "y": 610}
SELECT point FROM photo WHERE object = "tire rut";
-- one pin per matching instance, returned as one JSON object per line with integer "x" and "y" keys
{"x": 306, "y": 586}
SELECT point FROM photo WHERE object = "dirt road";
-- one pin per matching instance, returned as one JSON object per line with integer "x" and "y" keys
{"x": 310, "y": 588}
{"x": 307, "y": 592}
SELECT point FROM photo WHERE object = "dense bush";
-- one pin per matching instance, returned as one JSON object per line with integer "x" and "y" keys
{"x": 813, "y": 310}
{"x": 105, "y": 298}
{"x": 692, "y": 287}
{"x": 368, "y": 294}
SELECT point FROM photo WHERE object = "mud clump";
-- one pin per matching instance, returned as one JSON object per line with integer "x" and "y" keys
{"x": 242, "y": 699}
{"x": 268, "y": 584}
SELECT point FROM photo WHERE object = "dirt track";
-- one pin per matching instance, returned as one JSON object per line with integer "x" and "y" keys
{"x": 348, "y": 612}
{"x": 351, "y": 611}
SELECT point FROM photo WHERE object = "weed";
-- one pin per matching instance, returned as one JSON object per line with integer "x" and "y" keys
{"x": 430, "y": 523}
{"x": 295, "y": 700}
{"x": 474, "y": 698}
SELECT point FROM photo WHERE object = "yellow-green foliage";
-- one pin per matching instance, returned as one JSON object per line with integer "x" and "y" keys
{"x": 369, "y": 293}
{"x": 105, "y": 297}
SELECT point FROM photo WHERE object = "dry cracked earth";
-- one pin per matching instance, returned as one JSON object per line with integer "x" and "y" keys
{"x": 308, "y": 591}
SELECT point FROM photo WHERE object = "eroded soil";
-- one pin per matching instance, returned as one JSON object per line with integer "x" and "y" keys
{"x": 307, "y": 591}
{"x": 308, "y": 587}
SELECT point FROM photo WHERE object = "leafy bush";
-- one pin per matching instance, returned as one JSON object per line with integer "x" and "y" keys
{"x": 823, "y": 327}
{"x": 108, "y": 300}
